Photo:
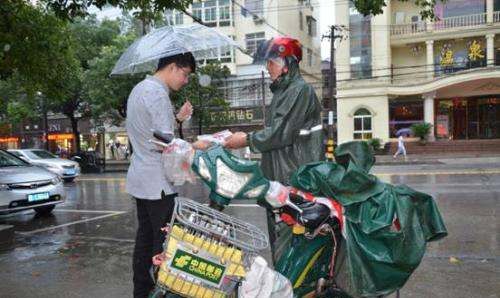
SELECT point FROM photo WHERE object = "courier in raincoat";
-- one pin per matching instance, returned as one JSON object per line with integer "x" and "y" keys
{"x": 293, "y": 134}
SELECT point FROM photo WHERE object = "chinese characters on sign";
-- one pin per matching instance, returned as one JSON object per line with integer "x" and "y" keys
{"x": 447, "y": 55}
{"x": 198, "y": 267}
{"x": 475, "y": 51}
{"x": 243, "y": 115}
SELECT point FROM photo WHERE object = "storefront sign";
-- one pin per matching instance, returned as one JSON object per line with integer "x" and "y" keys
{"x": 9, "y": 140}
{"x": 442, "y": 126}
{"x": 62, "y": 136}
{"x": 237, "y": 116}
{"x": 475, "y": 51}
{"x": 446, "y": 55}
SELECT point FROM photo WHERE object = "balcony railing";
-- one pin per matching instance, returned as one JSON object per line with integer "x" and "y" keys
{"x": 496, "y": 16}
{"x": 466, "y": 21}
{"x": 412, "y": 28}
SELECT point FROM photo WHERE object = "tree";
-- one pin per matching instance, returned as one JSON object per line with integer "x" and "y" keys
{"x": 204, "y": 99}
{"x": 375, "y": 7}
{"x": 107, "y": 95}
{"x": 144, "y": 10}
{"x": 88, "y": 38}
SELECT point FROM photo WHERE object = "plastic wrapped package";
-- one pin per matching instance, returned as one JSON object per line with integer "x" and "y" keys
{"x": 176, "y": 161}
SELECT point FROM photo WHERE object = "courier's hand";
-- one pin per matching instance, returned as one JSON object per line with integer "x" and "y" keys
{"x": 201, "y": 145}
{"x": 185, "y": 111}
{"x": 236, "y": 140}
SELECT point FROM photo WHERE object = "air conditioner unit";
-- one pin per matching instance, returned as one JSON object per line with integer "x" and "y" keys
{"x": 258, "y": 19}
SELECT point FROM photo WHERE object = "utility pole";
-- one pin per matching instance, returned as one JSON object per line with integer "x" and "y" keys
{"x": 332, "y": 92}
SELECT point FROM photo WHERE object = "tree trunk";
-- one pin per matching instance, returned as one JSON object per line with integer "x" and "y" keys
{"x": 76, "y": 133}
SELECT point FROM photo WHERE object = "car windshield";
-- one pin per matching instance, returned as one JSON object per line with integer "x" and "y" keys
{"x": 9, "y": 160}
{"x": 39, "y": 154}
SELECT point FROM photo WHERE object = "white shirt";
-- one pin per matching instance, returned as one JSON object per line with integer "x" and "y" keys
{"x": 401, "y": 142}
{"x": 148, "y": 108}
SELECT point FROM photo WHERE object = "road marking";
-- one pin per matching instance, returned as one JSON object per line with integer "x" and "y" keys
{"x": 112, "y": 213}
{"x": 462, "y": 172}
{"x": 104, "y": 238}
{"x": 101, "y": 179}
{"x": 85, "y": 211}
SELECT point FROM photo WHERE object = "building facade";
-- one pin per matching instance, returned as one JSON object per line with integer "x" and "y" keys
{"x": 396, "y": 69}
{"x": 250, "y": 23}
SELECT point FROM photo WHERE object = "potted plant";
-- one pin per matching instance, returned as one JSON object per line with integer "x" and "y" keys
{"x": 421, "y": 130}
{"x": 376, "y": 144}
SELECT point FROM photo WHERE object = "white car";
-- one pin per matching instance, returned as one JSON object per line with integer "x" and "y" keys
{"x": 25, "y": 186}
{"x": 67, "y": 169}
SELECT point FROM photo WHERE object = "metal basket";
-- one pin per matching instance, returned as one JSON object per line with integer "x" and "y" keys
{"x": 207, "y": 252}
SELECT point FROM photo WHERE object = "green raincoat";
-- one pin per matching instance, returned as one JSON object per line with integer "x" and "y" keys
{"x": 294, "y": 107}
{"x": 386, "y": 227}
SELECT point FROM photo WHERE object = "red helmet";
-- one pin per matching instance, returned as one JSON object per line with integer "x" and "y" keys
{"x": 278, "y": 47}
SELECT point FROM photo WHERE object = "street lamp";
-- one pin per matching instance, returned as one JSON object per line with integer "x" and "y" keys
{"x": 204, "y": 81}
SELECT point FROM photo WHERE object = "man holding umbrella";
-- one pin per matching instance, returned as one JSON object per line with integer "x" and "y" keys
{"x": 149, "y": 108}
{"x": 170, "y": 50}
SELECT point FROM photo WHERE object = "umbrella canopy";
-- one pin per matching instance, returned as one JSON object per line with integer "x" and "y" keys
{"x": 144, "y": 53}
{"x": 404, "y": 131}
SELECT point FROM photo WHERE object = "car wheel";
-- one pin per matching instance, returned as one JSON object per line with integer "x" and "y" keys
{"x": 68, "y": 180}
{"x": 44, "y": 210}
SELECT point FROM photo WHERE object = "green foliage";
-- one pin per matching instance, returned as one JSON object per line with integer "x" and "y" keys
{"x": 143, "y": 9}
{"x": 421, "y": 130}
{"x": 107, "y": 96}
{"x": 375, "y": 143}
{"x": 375, "y": 7}
{"x": 204, "y": 99}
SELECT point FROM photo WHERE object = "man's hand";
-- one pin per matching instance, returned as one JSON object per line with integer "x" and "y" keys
{"x": 236, "y": 140}
{"x": 185, "y": 111}
{"x": 201, "y": 145}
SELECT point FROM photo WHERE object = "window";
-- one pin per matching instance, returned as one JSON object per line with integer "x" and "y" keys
{"x": 301, "y": 20}
{"x": 179, "y": 18}
{"x": 173, "y": 17}
{"x": 255, "y": 7}
{"x": 362, "y": 124}
{"x": 213, "y": 12}
{"x": 311, "y": 26}
{"x": 198, "y": 10}
{"x": 223, "y": 54}
{"x": 309, "y": 57}
{"x": 224, "y": 13}
{"x": 253, "y": 41}
{"x": 360, "y": 45}
{"x": 210, "y": 13}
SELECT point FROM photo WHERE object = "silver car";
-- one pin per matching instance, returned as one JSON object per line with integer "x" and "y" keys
{"x": 67, "y": 169}
{"x": 24, "y": 186}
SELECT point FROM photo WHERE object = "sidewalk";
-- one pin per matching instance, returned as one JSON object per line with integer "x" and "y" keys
{"x": 444, "y": 158}
{"x": 386, "y": 160}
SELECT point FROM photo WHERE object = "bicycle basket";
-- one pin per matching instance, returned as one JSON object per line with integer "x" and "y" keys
{"x": 206, "y": 252}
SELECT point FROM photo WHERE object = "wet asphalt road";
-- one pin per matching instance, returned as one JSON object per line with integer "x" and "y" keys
{"x": 85, "y": 248}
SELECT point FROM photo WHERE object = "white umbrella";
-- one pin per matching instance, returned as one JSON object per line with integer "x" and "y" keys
{"x": 144, "y": 53}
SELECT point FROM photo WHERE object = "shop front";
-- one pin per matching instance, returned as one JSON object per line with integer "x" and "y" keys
{"x": 61, "y": 143}
{"x": 465, "y": 118}
{"x": 404, "y": 112}
{"x": 9, "y": 143}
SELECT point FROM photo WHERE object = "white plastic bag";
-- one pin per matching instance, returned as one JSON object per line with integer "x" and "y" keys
{"x": 217, "y": 138}
{"x": 263, "y": 282}
{"x": 177, "y": 159}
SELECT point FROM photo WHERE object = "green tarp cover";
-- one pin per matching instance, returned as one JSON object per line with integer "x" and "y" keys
{"x": 379, "y": 257}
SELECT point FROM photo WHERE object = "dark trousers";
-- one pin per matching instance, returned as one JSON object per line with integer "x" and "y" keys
{"x": 152, "y": 215}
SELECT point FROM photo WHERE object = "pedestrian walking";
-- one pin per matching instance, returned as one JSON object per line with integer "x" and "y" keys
{"x": 401, "y": 147}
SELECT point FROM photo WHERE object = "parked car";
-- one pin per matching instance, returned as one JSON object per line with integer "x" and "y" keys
{"x": 25, "y": 186}
{"x": 67, "y": 169}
